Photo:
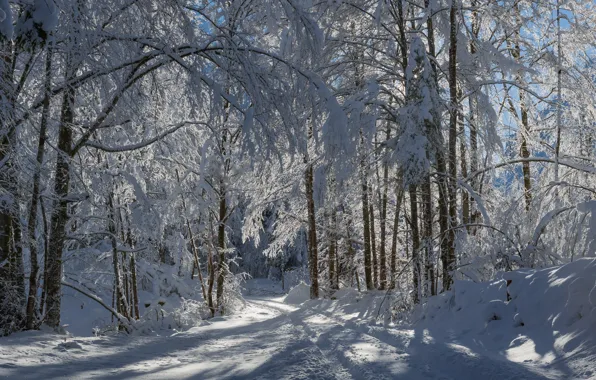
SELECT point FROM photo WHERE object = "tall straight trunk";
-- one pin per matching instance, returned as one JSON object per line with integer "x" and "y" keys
{"x": 135, "y": 290}
{"x": 525, "y": 152}
{"x": 427, "y": 236}
{"x": 46, "y": 254}
{"x": 59, "y": 216}
{"x": 399, "y": 195}
{"x": 221, "y": 245}
{"x": 465, "y": 197}
{"x": 333, "y": 267}
{"x": 313, "y": 259}
{"x": 442, "y": 182}
{"x": 373, "y": 243}
{"x": 473, "y": 105}
{"x": 133, "y": 273}
{"x": 415, "y": 243}
{"x": 210, "y": 272}
{"x": 525, "y": 129}
{"x": 35, "y": 194}
{"x": 119, "y": 291}
{"x": 559, "y": 94}
{"x": 351, "y": 254}
{"x": 368, "y": 275}
{"x": 449, "y": 261}
{"x": 383, "y": 223}
{"x": 313, "y": 254}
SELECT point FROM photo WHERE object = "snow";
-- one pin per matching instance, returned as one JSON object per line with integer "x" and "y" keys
{"x": 298, "y": 294}
{"x": 544, "y": 331}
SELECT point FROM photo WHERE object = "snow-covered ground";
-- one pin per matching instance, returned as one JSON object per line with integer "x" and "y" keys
{"x": 342, "y": 339}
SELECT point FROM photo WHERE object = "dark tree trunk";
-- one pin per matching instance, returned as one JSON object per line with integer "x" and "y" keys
{"x": 365, "y": 217}
{"x": 59, "y": 216}
{"x": 313, "y": 257}
{"x": 222, "y": 266}
{"x": 333, "y": 269}
{"x": 427, "y": 233}
{"x": 383, "y": 223}
{"x": 415, "y": 244}
{"x": 449, "y": 260}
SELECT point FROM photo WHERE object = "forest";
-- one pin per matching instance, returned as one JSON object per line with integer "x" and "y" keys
{"x": 153, "y": 150}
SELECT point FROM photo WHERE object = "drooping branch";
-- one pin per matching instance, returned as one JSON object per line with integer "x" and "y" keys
{"x": 95, "y": 298}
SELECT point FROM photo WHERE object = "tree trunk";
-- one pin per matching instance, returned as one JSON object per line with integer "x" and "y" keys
{"x": 365, "y": 217}
{"x": 449, "y": 261}
{"x": 210, "y": 273}
{"x": 465, "y": 197}
{"x": 373, "y": 244}
{"x": 222, "y": 266}
{"x": 313, "y": 257}
{"x": 59, "y": 216}
{"x": 415, "y": 244}
{"x": 35, "y": 195}
{"x": 383, "y": 223}
{"x": 333, "y": 269}
{"x": 119, "y": 292}
{"x": 473, "y": 104}
{"x": 399, "y": 195}
{"x": 427, "y": 240}
{"x": 46, "y": 247}
{"x": 525, "y": 130}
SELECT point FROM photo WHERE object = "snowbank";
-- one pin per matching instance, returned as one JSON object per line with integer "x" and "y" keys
{"x": 298, "y": 294}
{"x": 559, "y": 299}
{"x": 535, "y": 315}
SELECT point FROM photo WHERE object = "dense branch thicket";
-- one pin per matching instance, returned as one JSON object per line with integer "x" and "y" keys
{"x": 147, "y": 145}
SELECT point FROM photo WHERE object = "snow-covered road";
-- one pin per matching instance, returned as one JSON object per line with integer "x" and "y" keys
{"x": 270, "y": 340}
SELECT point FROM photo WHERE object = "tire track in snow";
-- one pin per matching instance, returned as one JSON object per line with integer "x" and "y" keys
{"x": 325, "y": 356}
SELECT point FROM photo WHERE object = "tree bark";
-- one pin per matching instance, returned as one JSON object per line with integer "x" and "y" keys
{"x": 427, "y": 233}
{"x": 333, "y": 269}
{"x": 59, "y": 216}
{"x": 35, "y": 195}
{"x": 366, "y": 221}
{"x": 473, "y": 104}
{"x": 383, "y": 223}
{"x": 313, "y": 257}
{"x": 449, "y": 261}
{"x": 415, "y": 244}
{"x": 399, "y": 194}
{"x": 222, "y": 266}
{"x": 373, "y": 244}
{"x": 465, "y": 197}
{"x": 525, "y": 130}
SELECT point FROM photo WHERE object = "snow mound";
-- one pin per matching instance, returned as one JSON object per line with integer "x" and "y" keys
{"x": 541, "y": 315}
{"x": 298, "y": 294}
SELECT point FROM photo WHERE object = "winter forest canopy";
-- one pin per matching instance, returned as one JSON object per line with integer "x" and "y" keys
{"x": 177, "y": 147}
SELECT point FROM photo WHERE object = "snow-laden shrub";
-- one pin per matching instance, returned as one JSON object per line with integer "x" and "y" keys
{"x": 232, "y": 300}
{"x": 190, "y": 313}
